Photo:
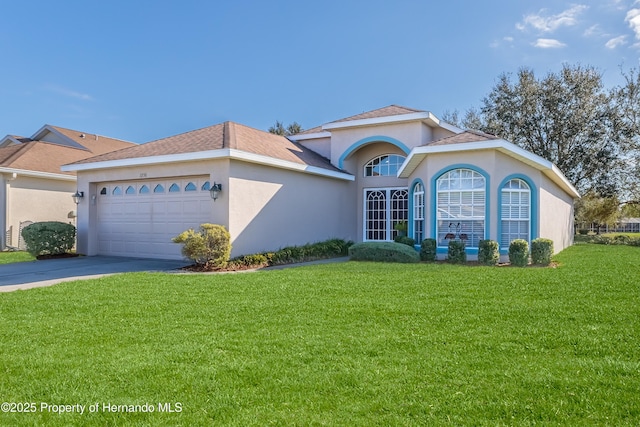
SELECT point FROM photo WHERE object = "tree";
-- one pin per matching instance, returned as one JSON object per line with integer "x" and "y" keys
{"x": 567, "y": 118}
{"x": 627, "y": 101}
{"x": 593, "y": 208}
{"x": 279, "y": 129}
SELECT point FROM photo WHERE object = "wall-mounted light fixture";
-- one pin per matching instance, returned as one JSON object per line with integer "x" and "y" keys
{"x": 77, "y": 196}
{"x": 215, "y": 191}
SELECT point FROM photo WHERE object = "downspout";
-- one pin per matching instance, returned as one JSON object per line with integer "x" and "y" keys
{"x": 4, "y": 184}
{"x": 5, "y": 187}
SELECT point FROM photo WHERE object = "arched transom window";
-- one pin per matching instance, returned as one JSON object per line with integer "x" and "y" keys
{"x": 461, "y": 207}
{"x": 515, "y": 218}
{"x": 386, "y": 165}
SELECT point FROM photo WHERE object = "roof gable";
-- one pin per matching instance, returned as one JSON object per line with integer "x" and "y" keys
{"x": 51, "y": 147}
{"x": 219, "y": 140}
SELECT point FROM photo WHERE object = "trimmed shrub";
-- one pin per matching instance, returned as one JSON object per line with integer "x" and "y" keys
{"x": 488, "y": 252}
{"x": 248, "y": 261}
{"x": 49, "y": 238}
{"x": 210, "y": 246}
{"x": 405, "y": 240}
{"x": 620, "y": 239}
{"x": 291, "y": 254}
{"x": 428, "y": 250}
{"x": 456, "y": 253}
{"x": 582, "y": 231}
{"x": 541, "y": 251}
{"x": 383, "y": 252}
{"x": 519, "y": 252}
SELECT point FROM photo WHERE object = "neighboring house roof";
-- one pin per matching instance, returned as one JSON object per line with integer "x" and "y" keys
{"x": 226, "y": 139}
{"x": 36, "y": 157}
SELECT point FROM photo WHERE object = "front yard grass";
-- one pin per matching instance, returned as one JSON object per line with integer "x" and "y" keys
{"x": 356, "y": 344}
{"x": 11, "y": 257}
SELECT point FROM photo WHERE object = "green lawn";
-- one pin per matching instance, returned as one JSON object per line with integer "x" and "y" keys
{"x": 354, "y": 344}
{"x": 11, "y": 257}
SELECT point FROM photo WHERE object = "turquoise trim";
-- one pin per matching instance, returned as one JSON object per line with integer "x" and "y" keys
{"x": 434, "y": 201}
{"x": 410, "y": 230}
{"x": 533, "y": 215}
{"x": 369, "y": 140}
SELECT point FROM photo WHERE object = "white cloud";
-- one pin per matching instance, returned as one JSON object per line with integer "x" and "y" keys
{"x": 615, "y": 42}
{"x": 548, "y": 44}
{"x": 550, "y": 23}
{"x": 593, "y": 30}
{"x": 633, "y": 18}
{"x": 69, "y": 92}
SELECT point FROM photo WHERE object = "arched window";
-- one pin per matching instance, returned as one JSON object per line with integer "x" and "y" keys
{"x": 144, "y": 190}
{"x": 386, "y": 165}
{"x": 130, "y": 190}
{"x": 515, "y": 221}
{"x": 103, "y": 192}
{"x": 461, "y": 207}
{"x": 384, "y": 208}
{"x": 206, "y": 186}
{"x": 190, "y": 187}
{"x": 117, "y": 191}
{"x": 158, "y": 189}
{"x": 174, "y": 188}
{"x": 418, "y": 212}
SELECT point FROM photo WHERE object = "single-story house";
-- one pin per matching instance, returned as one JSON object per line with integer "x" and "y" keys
{"x": 353, "y": 178}
{"x": 32, "y": 187}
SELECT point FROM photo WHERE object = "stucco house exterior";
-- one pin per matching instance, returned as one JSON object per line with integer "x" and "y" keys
{"x": 32, "y": 187}
{"x": 353, "y": 178}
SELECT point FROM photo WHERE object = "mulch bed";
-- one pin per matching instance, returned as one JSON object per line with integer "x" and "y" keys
{"x": 56, "y": 256}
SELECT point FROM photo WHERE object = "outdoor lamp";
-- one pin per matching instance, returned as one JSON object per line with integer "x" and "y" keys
{"x": 215, "y": 190}
{"x": 77, "y": 196}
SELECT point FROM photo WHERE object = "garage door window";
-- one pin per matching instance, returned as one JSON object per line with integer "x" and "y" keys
{"x": 144, "y": 190}
{"x": 190, "y": 187}
{"x": 158, "y": 189}
{"x": 206, "y": 186}
{"x": 130, "y": 190}
{"x": 117, "y": 191}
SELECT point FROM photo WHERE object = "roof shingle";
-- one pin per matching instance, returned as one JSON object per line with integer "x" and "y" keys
{"x": 228, "y": 135}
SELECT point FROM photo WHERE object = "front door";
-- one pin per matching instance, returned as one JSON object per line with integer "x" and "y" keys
{"x": 383, "y": 209}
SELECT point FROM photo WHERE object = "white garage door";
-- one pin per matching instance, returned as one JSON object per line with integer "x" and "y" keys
{"x": 139, "y": 218}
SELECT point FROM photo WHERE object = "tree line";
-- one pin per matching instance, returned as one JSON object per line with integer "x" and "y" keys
{"x": 590, "y": 132}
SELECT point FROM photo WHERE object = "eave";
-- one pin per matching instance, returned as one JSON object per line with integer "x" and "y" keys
{"x": 226, "y": 153}
{"x": 418, "y": 154}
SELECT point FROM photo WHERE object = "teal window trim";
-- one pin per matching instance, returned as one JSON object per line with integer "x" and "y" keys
{"x": 434, "y": 201}
{"x": 533, "y": 215}
{"x": 370, "y": 140}
{"x": 410, "y": 220}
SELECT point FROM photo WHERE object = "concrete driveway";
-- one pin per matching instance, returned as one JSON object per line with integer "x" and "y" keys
{"x": 33, "y": 274}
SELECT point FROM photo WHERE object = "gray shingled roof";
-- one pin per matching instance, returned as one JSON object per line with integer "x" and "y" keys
{"x": 227, "y": 135}
{"x": 391, "y": 110}
{"x": 466, "y": 136}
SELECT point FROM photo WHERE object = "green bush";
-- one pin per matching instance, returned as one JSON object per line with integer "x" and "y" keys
{"x": 428, "y": 250}
{"x": 519, "y": 252}
{"x": 583, "y": 231}
{"x": 249, "y": 261}
{"x": 456, "y": 253}
{"x": 405, "y": 240}
{"x": 210, "y": 246}
{"x": 488, "y": 252}
{"x": 49, "y": 238}
{"x": 291, "y": 254}
{"x": 541, "y": 251}
{"x": 383, "y": 252}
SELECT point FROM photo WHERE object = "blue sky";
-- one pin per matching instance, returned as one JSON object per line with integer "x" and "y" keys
{"x": 143, "y": 70}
